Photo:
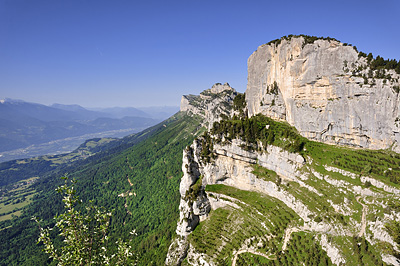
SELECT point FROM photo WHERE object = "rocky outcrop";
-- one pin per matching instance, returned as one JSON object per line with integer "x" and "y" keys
{"x": 318, "y": 88}
{"x": 210, "y": 104}
{"x": 232, "y": 165}
{"x": 333, "y": 252}
{"x": 194, "y": 204}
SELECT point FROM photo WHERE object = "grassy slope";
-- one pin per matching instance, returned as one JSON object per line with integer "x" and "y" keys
{"x": 148, "y": 175}
{"x": 229, "y": 228}
{"x": 14, "y": 200}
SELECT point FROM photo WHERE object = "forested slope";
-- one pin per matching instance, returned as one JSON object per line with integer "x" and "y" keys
{"x": 138, "y": 183}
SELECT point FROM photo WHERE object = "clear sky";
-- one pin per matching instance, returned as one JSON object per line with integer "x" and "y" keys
{"x": 148, "y": 53}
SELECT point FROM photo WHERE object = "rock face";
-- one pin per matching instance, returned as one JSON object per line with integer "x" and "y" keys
{"x": 232, "y": 166}
{"x": 318, "y": 88}
{"x": 211, "y": 103}
{"x": 309, "y": 86}
{"x": 194, "y": 205}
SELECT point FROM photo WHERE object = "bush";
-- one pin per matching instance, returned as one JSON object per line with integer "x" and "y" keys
{"x": 239, "y": 103}
{"x": 85, "y": 235}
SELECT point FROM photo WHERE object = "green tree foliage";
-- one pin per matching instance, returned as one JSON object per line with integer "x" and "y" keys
{"x": 206, "y": 147}
{"x": 364, "y": 253}
{"x": 239, "y": 102}
{"x": 146, "y": 169}
{"x": 307, "y": 39}
{"x": 379, "y": 64}
{"x": 393, "y": 229}
{"x": 20, "y": 169}
{"x": 240, "y": 105}
{"x": 362, "y": 54}
{"x": 85, "y": 235}
{"x": 273, "y": 89}
{"x": 259, "y": 129}
{"x": 370, "y": 57}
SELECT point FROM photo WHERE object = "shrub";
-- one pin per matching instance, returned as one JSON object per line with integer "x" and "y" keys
{"x": 85, "y": 235}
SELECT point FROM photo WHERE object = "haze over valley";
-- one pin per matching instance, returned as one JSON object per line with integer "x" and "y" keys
{"x": 31, "y": 129}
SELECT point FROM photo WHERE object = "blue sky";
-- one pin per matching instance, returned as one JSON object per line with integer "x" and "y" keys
{"x": 148, "y": 53}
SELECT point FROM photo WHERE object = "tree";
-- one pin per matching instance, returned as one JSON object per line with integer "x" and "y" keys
{"x": 398, "y": 68}
{"x": 370, "y": 57}
{"x": 378, "y": 62}
{"x": 85, "y": 235}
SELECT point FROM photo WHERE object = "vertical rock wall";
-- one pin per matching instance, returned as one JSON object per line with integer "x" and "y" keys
{"x": 312, "y": 87}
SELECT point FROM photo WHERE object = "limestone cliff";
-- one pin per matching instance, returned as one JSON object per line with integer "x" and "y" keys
{"x": 210, "y": 104}
{"x": 327, "y": 91}
{"x": 254, "y": 190}
{"x": 308, "y": 192}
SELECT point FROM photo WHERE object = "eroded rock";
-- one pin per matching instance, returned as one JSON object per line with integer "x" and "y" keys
{"x": 312, "y": 87}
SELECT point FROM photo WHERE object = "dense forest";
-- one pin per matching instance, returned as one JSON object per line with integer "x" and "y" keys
{"x": 137, "y": 181}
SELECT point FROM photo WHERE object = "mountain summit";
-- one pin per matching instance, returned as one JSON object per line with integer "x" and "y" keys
{"x": 328, "y": 90}
{"x": 263, "y": 187}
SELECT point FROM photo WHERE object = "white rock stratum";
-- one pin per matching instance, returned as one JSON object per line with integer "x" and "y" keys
{"x": 232, "y": 166}
{"x": 319, "y": 89}
{"x": 319, "y": 95}
{"x": 210, "y": 104}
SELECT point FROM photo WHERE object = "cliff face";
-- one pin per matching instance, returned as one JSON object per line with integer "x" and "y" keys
{"x": 253, "y": 189}
{"x": 210, "y": 104}
{"x": 308, "y": 190}
{"x": 319, "y": 89}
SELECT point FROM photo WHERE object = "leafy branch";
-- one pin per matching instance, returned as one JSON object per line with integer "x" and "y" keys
{"x": 85, "y": 235}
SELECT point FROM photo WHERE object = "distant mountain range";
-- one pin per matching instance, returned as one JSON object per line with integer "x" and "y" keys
{"x": 23, "y": 124}
{"x": 119, "y": 112}
{"x": 155, "y": 112}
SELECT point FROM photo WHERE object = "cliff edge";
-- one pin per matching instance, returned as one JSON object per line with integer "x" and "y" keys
{"x": 327, "y": 90}
{"x": 211, "y": 104}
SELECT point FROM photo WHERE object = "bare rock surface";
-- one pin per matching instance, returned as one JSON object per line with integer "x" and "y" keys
{"x": 232, "y": 166}
{"x": 210, "y": 104}
{"x": 318, "y": 88}
{"x": 312, "y": 87}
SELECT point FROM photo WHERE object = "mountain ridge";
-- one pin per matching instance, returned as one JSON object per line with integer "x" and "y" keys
{"x": 27, "y": 124}
{"x": 333, "y": 203}
{"x": 328, "y": 90}
{"x": 336, "y": 197}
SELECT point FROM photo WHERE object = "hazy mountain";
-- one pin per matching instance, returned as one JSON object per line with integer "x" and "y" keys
{"x": 81, "y": 111}
{"x": 160, "y": 112}
{"x": 69, "y": 107}
{"x": 16, "y": 109}
{"x": 23, "y": 124}
{"x": 155, "y": 112}
{"x": 119, "y": 112}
